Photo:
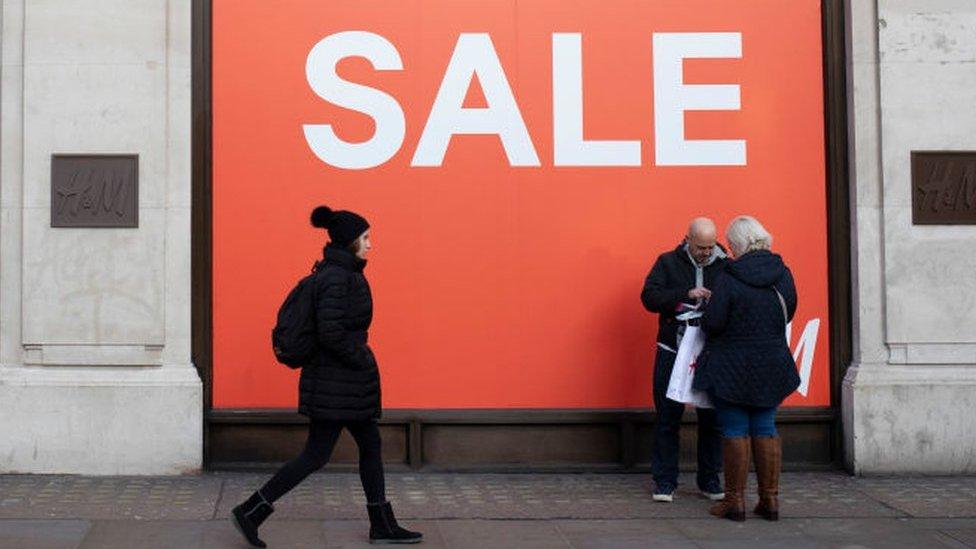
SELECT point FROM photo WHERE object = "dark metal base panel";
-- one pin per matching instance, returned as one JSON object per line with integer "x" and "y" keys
{"x": 499, "y": 440}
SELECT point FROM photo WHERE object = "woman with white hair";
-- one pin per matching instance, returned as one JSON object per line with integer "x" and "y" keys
{"x": 746, "y": 366}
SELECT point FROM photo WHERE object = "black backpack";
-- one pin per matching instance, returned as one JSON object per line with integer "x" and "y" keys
{"x": 294, "y": 338}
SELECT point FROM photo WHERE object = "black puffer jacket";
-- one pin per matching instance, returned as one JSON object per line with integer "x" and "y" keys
{"x": 667, "y": 286}
{"x": 343, "y": 382}
{"x": 746, "y": 359}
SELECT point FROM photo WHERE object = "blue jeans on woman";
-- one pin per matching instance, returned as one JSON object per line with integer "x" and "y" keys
{"x": 737, "y": 420}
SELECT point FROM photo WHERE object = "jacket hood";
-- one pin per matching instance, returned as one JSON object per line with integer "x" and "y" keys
{"x": 759, "y": 269}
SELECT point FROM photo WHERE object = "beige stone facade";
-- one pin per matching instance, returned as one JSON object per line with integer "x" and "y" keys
{"x": 910, "y": 394}
{"x": 96, "y": 375}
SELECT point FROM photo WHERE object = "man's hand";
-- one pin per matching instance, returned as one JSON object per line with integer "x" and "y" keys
{"x": 699, "y": 293}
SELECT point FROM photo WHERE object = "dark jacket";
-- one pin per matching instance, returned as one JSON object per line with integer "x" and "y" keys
{"x": 667, "y": 286}
{"x": 343, "y": 381}
{"x": 746, "y": 359}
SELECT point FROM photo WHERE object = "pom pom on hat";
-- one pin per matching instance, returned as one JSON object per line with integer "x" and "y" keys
{"x": 344, "y": 227}
{"x": 321, "y": 217}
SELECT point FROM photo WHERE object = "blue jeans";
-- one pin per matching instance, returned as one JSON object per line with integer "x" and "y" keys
{"x": 667, "y": 426}
{"x": 737, "y": 420}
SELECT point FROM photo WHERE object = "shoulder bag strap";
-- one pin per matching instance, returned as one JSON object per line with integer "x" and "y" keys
{"x": 782, "y": 303}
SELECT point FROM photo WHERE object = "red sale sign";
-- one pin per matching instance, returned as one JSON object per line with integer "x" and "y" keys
{"x": 522, "y": 165}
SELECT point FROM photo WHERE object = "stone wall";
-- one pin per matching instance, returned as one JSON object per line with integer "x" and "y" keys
{"x": 910, "y": 394}
{"x": 95, "y": 368}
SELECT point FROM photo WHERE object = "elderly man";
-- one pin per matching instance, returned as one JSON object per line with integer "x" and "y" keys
{"x": 677, "y": 289}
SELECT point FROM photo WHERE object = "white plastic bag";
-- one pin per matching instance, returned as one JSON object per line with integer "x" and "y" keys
{"x": 683, "y": 374}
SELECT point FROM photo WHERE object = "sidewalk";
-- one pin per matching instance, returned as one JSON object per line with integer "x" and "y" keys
{"x": 512, "y": 510}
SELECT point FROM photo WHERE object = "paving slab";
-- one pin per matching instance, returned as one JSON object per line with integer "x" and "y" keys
{"x": 218, "y": 534}
{"x": 161, "y": 534}
{"x": 77, "y": 497}
{"x": 42, "y": 534}
{"x": 941, "y": 523}
{"x": 623, "y": 534}
{"x": 514, "y": 496}
{"x": 880, "y": 533}
{"x": 965, "y": 537}
{"x": 923, "y": 496}
{"x": 762, "y": 543}
{"x": 824, "y": 495}
{"x": 754, "y": 532}
{"x": 469, "y": 496}
{"x": 352, "y": 534}
{"x": 492, "y": 534}
{"x": 589, "y": 511}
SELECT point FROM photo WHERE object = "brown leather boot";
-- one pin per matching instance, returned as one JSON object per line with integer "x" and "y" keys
{"x": 768, "y": 453}
{"x": 735, "y": 462}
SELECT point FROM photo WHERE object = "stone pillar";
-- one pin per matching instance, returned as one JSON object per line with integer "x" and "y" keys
{"x": 95, "y": 368}
{"x": 910, "y": 395}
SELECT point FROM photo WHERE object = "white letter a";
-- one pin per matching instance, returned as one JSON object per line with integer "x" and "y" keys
{"x": 474, "y": 54}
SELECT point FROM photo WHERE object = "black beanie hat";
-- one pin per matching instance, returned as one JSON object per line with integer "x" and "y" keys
{"x": 344, "y": 227}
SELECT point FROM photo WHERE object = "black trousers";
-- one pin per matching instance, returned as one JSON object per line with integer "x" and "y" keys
{"x": 664, "y": 456}
{"x": 322, "y": 437}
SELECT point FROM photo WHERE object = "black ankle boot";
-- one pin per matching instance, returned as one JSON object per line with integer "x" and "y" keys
{"x": 249, "y": 515}
{"x": 383, "y": 527}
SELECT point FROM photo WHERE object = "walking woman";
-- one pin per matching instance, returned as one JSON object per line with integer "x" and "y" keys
{"x": 746, "y": 366}
{"x": 340, "y": 388}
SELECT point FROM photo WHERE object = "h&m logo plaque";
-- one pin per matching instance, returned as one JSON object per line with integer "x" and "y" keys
{"x": 944, "y": 188}
{"x": 95, "y": 191}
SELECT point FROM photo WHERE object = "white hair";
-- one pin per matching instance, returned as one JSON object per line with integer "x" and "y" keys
{"x": 746, "y": 234}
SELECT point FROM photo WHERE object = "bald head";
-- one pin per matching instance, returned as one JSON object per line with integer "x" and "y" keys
{"x": 702, "y": 228}
{"x": 702, "y": 235}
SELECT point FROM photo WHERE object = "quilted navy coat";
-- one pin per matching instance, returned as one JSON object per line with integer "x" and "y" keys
{"x": 343, "y": 381}
{"x": 746, "y": 359}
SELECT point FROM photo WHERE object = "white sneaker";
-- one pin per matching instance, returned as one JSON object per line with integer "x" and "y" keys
{"x": 714, "y": 496}
{"x": 664, "y": 496}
